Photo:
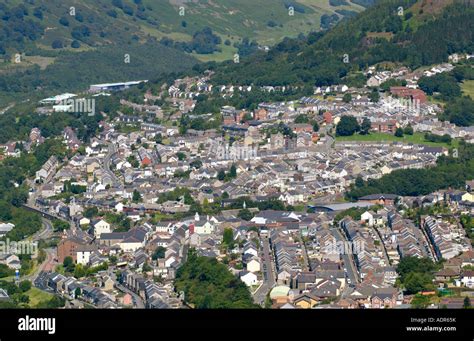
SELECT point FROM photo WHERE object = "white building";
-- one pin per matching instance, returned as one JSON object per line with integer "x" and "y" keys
{"x": 101, "y": 227}
{"x": 249, "y": 278}
{"x": 253, "y": 266}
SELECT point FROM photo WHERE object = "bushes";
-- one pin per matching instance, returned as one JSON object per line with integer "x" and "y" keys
{"x": 416, "y": 274}
{"x": 449, "y": 172}
{"x": 203, "y": 42}
{"x": 208, "y": 284}
{"x": 347, "y": 126}
{"x": 57, "y": 44}
{"x": 5, "y": 271}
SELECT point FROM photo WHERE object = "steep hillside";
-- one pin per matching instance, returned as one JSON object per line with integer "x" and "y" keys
{"x": 55, "y": 45}
{"x": 82, "y": 24}
{"x": 382, "y": 33}
{"x": 76, "y": 71}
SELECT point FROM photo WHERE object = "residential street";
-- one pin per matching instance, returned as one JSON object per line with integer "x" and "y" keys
{"x": 268, "y": 273}
{"x": 349, "y": 262}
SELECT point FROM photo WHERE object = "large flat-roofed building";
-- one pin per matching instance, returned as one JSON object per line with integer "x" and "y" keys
{"x": 114, "y": 86}
{"x": 57, "y": 99}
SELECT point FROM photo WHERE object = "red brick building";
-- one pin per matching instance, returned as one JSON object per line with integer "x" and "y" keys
{"x": 67, "y": 248}
{"x": 384, "y": 126}
{"x": 414, "y": 94}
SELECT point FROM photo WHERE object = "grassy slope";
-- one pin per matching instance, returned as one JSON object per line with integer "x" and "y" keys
{"x": 233, "y": 19}
{"x": 468, "y": 88}
{"x": 37, "y": 296}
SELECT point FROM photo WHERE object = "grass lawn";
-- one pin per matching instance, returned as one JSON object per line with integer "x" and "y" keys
{"x": 226, "y": 53}
{"x": 8, "y": 279}
{"x": 416, "y": 138}
{"x": 468, "y": 88}
{"x": 37, "y": 296}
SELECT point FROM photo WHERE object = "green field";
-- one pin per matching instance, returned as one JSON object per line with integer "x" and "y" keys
{"x": 468, "y": 88}
{"x": 416, "y": 138}
{"x": 37, "y": 296}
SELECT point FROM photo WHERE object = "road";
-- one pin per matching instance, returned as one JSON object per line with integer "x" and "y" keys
{"x": 428, "y": 245}
{"x": 45, "y": 233}
{"x": 326, "y": 147}
{"x": 137, "y": 300}
{"x": 49, "y": 263}
{"x": 348, "y": 259}
{"x": 385, "y": 253}
{"x": 107, "y": 163}
{"x": 268, "y": 273}
{"x": 46, "y": 266}
{"x": 305, "y": 255}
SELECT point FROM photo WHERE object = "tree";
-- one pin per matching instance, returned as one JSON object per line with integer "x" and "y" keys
{"x": 347, "y": 98}
{"x": 408, "y": 130}
{"x": 5, "y": 211}
{"x": 416, "y": 274}
{"x": 245, "y": 214}
{"x": 59, "y": 225}
{"x": 302, "y": 119}
{"x": 57, "y": 44}
{"x": 53, "y": 303}
{"x": 365, "y": 126}
{"x": 221, "y": 175}
{"x": 315, "y": 126}
{"x": 347, "y": 126}
{"x": 460, "y": 111}
{"x": 136, "y": 197}
{"x": 64, "y": 21}
{"x": 208, "y": 284}
{"x": 181, "y": 156}
{"x": 79, "y": 271}
{"x": 146, "y": 267}
{"x": 25, "y": 286}
{"x": 374, "y": 96}
{"x": 37, "y": 12}
{"x": 399, "y": 132}
{"x": 75, "y": 44}
{"x": 467, "y": 302}
{"x": 196, "y": 164}
{"x": 416, "y": 282}
{"x": 233, "y": 171}
{"x": 90, "y": 212}
{"x": 159, "y": 253}
{"x": 68, "y": 264}
{"x": 420, "y": 301}
{"x": 228, "y": 238}
{"x": 415, "y": 264}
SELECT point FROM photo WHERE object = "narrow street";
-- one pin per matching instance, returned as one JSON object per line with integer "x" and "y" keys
{"x": 385, "y": 253}
{"x": 137, "y": 300}
{"x": 107, "y": 163}
{"x": 349, "y": 262}
{"x": 268, "y": 273}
